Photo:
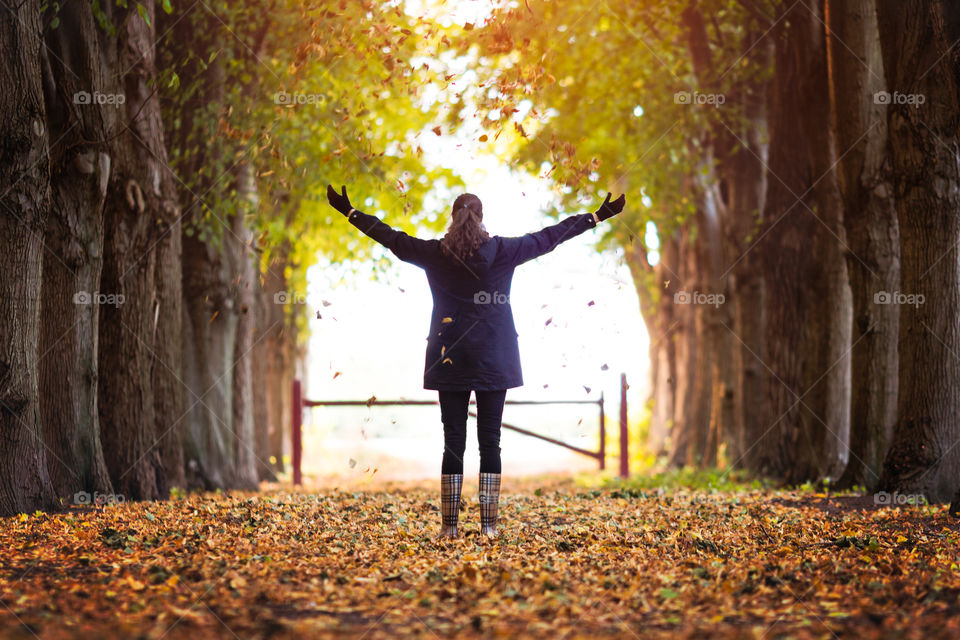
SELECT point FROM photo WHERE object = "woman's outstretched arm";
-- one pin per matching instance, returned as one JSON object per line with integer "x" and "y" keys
{"x": 405, "y": 247}
{"x": 533, "y": 245}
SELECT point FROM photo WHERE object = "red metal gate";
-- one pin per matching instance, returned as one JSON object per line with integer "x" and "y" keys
{"x": 299, "y": 403}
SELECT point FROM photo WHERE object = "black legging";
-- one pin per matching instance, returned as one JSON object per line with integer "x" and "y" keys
{"x": 453, "y": 414}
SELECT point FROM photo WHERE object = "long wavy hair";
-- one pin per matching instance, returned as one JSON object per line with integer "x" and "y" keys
{"x": 466, "y": 231}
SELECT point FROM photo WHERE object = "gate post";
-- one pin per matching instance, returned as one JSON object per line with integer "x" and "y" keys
{"x": 296, "y": 430}
{"x": 603, "y": 436}
{"x": 624, "y": 457}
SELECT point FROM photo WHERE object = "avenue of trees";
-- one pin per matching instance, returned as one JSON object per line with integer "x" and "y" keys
{"x": 791, "y": 169}
{"x": 159, "y": 204}
{"x": 799, "y": 161}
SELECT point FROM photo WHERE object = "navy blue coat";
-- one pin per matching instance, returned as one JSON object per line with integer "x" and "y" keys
{"x": 473, "y": 339}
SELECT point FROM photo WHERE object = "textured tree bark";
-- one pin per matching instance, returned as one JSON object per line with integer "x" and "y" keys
{"x": 917, "y": 41}
{"x": 242, "y": 258}
{"x": 278, "y": 363}
{"x": 807, "y": 332}
{"x": 730, "y": 184}
{"x": 208, "y": 362}
{"x": 870, "y": 218}
{"x": 657, "y": 316}
{"x": 210, "y": 310}
{"x": 684, "y": 446}
{"x": 261, "y": 406}
{"x": 169, "y": 389}
{"x": 24, "y": 207}
{"x": 750, "y": 319}
{"x": 135, "y": 204}
{"x": 76, "y": 66}
{"x": 704, "y": 450}
{"x": 665, "y": 408}
{"x": 220, "y": 271}
{"x": 742, "y": 156}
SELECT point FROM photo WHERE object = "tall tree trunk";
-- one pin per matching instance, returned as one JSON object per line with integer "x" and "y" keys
{"x": 73, "y": 69}
{"x": 918, "y": 43}
{"x": 218, "y": 270}
{"x": 808, "y": 300}
{"x": 208, "y": 352}
{"x": 744, "y": 177}
{"x": 242, "y": 254}
{"x": 709, "y": 309}
{"x": 827, "y": 377}
{"x": 730, "y": 183}
{"x": 656, "y": 308}
{"x": 168, "y": 385}
{"x": 135, "y": 203}
{"x": 278, "y": 362}
{"x": 870, "y": 217}
{"x": 706, "y": 325}
{"x": 25, "y": 200}
{"x": 742, "y": 156}
{"x": 261, "y": 381}
{"x": 684, "y": 446}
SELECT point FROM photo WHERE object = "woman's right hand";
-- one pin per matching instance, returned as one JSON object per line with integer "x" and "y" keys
{"x": 338, "y": 201}
{"x": 609, "y": 209}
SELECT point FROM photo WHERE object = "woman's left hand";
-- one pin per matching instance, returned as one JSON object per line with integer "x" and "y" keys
{"x": 339, "y": 201}
{"x": 609, "y": 209}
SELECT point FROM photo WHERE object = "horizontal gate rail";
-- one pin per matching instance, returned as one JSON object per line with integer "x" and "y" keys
{"x": 355, "y": 403}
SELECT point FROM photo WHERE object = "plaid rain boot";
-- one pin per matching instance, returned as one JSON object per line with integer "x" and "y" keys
{"x": 450, "y": 486}
{"x": 489, "y": 499}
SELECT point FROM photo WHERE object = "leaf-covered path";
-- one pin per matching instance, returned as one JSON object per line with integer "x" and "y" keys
{"x": 571, "y": 562}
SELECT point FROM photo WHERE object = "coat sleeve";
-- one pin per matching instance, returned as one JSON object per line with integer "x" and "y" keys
{"x": 533, "y": 245}
{"x": 405, "y": 247}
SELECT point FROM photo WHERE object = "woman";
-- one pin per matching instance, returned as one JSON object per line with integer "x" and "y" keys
{"x": 473, "y": 341}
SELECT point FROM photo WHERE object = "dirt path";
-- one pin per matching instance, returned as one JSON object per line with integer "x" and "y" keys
{"x": 571, "y": 563}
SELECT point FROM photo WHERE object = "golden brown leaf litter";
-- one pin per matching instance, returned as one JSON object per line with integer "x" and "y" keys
{"x": 570, "y": 563}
